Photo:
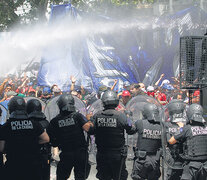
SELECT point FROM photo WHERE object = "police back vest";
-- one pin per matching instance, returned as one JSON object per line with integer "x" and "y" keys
{"x": 109, "y": 130}
{"x": 195, "y": 147}
{"x": 70, "y": 133}
{"x": 149, "y": 139}
{"x": 176, "y": 149}
{"x": 39, "y": 117}
{"x": 21, "y": 138}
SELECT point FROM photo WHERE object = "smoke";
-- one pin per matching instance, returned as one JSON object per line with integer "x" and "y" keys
{"x": 24, "y": 44}
{"x": 21, "y": 45}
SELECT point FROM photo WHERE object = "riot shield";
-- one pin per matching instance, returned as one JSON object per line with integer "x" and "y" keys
{"x": 4, "y": 115}
{"x": 52, "y": 109}
{"x": 42, "y": 103}
{"x": 134, "y": 108}
{"x": 93, "y": 109}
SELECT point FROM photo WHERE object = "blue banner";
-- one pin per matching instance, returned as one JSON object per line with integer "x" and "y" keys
{"x": 131, "y": 54}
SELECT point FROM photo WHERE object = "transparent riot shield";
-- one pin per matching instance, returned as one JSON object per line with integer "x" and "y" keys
{"x": 168, "y": 151}
{"x": 93, "y": 109}
{"x": 134, "y": 109}
{"x": 4, "y": 115}
{"x": 42, "y": 103}
{"x": 52, "y": 109}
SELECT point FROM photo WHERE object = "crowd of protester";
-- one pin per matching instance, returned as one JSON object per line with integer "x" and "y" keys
{"x": 163, "y": 90}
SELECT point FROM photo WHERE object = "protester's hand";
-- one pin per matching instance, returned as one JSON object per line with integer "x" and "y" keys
{"x": 180, "y": 124}
{"x": 174, "y": 79}
{"x": 162, "y": 75}
{"x": 88, "y": 116}
{"x": 6, "y": 80}
{"x": 73, "y": 79}
{"x": 10, "y": 81}
{"x": 25, "y": 75}
{"x": 115, "y": 81}
{"x": 55, "y": 153}
{"x": 5, "y": 96}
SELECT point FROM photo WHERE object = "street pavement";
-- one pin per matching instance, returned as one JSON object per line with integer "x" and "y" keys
{"x": 93, "y": 171}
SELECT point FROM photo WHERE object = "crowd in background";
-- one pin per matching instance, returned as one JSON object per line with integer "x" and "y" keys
{"x": 163, "y": 90}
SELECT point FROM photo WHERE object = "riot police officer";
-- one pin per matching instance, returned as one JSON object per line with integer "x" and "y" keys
{"x": 22, "y": 138}
{"x": 176, "y": 109}
{"x": 66, "y": 132}
{"x": 109, "y": 126}
{"x": 147, "y": 153}
{"x": 194, "y": 139}
{"x": 34, "y": 111}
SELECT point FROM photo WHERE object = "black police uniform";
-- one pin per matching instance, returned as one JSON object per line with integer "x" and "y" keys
{"x": 109, "y": 126}
{"x": 22, "y": 149}
{"x": 66, "y": 132}
{"x": 34, "y": 110}
{"x": 147, "y": 153}
{"x": 194, "y": 138}
{"x": 176, "y": 112}
{"x": 147, "y": 157}
{"x": 176, "y": 150}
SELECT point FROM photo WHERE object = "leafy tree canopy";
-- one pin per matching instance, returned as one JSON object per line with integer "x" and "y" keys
{"x": 24, "y": 12}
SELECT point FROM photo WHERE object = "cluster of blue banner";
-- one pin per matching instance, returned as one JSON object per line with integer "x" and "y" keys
{"x": 127, "y": 54}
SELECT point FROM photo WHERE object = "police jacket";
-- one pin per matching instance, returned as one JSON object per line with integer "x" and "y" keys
{"x": 172, "y": 129}
{"x": 39, "y": 117}
{"x": 149, "y": 136}
{"x": 66, "y": 132}
{"x": 194, "y": 138}
{"x": 109, "y": 126}
{"x": 21, "y": 135}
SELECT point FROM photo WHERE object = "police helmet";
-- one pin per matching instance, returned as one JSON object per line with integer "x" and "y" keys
{"x": 16, "y": 103}
{"x": 66, "y": 103}
{"x": 176, "y": 109}
{"x": 110, "y": 99}
{"x": 195, "y": 113}
{"x": 33, "y": 105}
{"x": 151, "y": 112}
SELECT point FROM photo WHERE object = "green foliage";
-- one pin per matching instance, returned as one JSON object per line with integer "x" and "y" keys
{"x": 24, "y": 12}
{"x": 8, "y": 17}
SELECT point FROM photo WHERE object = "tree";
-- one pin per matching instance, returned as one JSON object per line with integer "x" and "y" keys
{"x": 24, "y": 12}
{"x": 21, "y": 12}
{"x": 8, "y": 16}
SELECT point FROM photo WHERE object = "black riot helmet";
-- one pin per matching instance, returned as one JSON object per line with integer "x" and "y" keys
{"x": 110, "y": 99}
{"x": 151, "y": 112}
{"x": 16, "y": 103}
{"x": 66, "y": 103}
{"x": 195, "y": 113}
{"x": 176, "y": 110}
{"x": 33, "y": 105}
